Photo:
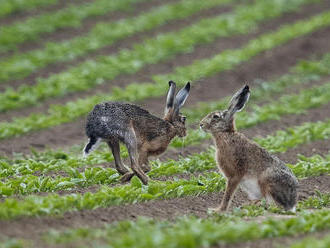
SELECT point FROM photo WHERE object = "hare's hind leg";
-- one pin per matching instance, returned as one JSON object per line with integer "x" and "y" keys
{"x": 115, "y": 148}
{"x": 131, "y": 144}
{"x": 283, "y": 191}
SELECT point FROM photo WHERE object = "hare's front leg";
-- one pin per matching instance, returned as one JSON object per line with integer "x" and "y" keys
{"x": 115, "y": 148}
{"x": 131, "y": 144}
{"x": 231, "y": 187}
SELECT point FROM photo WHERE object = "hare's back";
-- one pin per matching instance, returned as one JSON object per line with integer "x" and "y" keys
{"x": 109, "y": 118}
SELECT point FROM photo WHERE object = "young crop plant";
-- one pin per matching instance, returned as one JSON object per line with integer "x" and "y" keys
{"x": 200, "y": 162}
{"x": 320, "y": 242}
{"x": 311, "y": 166}
{"x": 192, "y": 231}
{"x": 153, "y": 50}
{"x": 101, "y": 35}
{"x": 58, "y": 114}
{"x": 6, "y": 242}
{"x": 318, "y": 202}
{"x": 71, "y": 16}
{"x": 14, "y": 6}
{"x": 293, "y": 136}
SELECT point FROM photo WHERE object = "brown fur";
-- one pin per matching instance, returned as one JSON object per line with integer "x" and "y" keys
{"x": 143, "y": 133}
{"x": 243, "y": 161}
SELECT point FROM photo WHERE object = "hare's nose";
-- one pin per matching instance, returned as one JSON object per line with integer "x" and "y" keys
{"x": 201, "y": 125}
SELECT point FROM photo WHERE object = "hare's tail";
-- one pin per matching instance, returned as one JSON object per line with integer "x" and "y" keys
{"x": 91, "y": 145}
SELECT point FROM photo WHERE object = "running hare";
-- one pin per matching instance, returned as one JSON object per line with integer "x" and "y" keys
{"x": 245, "y": 163}
{"x": 143, "y": 133}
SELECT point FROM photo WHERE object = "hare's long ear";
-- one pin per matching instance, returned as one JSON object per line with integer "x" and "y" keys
{"x": 170, "y": 99}
{"x": 181, "y": 97}
{"x": 238, "y": 101}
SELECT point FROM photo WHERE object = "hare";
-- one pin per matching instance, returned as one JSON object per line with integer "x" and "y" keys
{"x": 143, "y": 133}
{"x": 244, "y": 163}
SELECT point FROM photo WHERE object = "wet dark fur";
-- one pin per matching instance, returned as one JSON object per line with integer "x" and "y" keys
{"x": 143, "y": 133}
{"x": 119, "y": 118}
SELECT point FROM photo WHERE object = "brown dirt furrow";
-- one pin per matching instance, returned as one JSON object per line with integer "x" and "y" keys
{"x": 86, "y": 25}
{"x": 200, "y": 52}
{"x": 307, "y": 150}
{"x": 21, "y": 15}
{"x": 126, "y": 43}
{"x": 28, "y": 227}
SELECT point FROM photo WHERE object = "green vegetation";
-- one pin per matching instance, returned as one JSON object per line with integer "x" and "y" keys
{"x": 194, "y": 232}
{"x": 318, "y": 202}
{"x": 311, "y": 166}
{"x": 6, "y": 242}
{"x": 106, "y": 196}
{"x": 153, "y": 50}
{"x": 28, "y": 182}
{"x": 71, "y": 16}
{"x": 102, "y": 34}
{"x": 13, "y": 6}
{"x": 134, "y": 192}
{"x": 312, "y": 242}
{"x": 58, "y": 114}
{"x": 291, "y": 137}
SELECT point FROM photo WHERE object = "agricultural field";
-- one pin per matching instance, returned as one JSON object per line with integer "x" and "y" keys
{"x": 58, "y": 58}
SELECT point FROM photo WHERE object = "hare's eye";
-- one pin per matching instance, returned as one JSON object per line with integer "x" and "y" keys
{"x": 216, "y": 116}
{"x": 183, "y": 119}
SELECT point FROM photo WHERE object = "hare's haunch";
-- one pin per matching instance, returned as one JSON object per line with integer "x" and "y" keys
{"x": 143, "y": 133}
{"x": 244, "y": 163}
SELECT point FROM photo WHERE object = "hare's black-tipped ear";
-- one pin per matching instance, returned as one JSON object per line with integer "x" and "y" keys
{"x": 169, "y": 109}
{"x": 238, "y": 101}
{"x": 182, "y": 96}
{"x": 170, "y": 95}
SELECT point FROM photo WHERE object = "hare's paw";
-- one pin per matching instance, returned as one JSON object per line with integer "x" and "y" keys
{"x": 144, "y": 179}
{"x": 215, "y": 210}
{"x": 126, "y": 177}
{"x": 123, "y": 170}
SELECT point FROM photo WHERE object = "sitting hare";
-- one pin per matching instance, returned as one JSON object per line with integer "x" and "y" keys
{"x": 245, "y": 163}
{"x": 143, "y": 133}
